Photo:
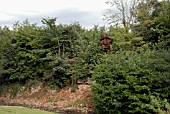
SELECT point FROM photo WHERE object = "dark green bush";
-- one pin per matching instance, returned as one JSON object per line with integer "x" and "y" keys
{"x": 124, "y": 84}
{"x": 161, "y": 77}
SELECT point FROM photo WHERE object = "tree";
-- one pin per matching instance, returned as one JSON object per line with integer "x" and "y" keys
{"x": 24, "y": 42}
{"x": 6, "y": 52}
{"x": 163, "y": 25}
{"x": 121, "y": 12}
{"x": 152, "y": 19}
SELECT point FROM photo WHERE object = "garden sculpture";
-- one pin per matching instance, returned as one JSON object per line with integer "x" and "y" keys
{"x": 105, "y": 41}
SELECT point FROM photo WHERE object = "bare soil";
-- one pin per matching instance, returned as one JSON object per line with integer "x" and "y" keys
{"x": 65, "y": 101}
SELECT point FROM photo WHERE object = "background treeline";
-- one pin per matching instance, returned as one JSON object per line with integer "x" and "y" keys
{"x": 134, "y": 77}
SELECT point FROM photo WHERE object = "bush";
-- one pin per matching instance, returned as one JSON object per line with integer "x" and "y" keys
{"x": 124, "y": 84}
{"x": 161, "y": 76}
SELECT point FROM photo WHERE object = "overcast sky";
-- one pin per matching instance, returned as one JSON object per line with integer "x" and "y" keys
{"x": 87, "y": 12}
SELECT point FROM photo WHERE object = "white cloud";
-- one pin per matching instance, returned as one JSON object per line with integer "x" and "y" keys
{"x": 6, "y": 17}
{"x": 16, "y": 10}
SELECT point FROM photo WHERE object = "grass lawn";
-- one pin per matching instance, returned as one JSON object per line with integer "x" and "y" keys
{"x": 21, "y": 110}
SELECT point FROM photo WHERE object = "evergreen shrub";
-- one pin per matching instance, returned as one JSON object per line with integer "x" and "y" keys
{"x": 125, "y": 83}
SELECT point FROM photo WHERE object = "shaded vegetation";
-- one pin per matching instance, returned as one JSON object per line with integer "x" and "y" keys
{"x": 132, "y": 82}
{"x": 133, "y": 77}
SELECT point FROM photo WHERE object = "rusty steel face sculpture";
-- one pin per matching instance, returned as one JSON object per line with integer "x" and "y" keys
{"x": 106, "y": 42}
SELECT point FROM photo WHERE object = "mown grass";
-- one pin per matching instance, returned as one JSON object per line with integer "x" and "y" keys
{"x": 21, "y": 110}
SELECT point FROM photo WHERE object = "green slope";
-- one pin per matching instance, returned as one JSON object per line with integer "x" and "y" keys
{"x": 20, "y": 110}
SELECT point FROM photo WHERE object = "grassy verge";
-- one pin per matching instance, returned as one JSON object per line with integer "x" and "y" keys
{"x": 21, "y": 110}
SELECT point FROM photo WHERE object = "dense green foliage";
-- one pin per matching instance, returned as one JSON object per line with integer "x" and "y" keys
{"x": 43, "y": 53}
{"x": 132, "y": 82}
{"x": 133, "y": 77}
{"x": 153, "y": 22}
{"x": 136, "y": 78}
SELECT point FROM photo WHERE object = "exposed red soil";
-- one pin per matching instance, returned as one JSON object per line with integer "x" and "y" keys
{"x": 52, "y": 100}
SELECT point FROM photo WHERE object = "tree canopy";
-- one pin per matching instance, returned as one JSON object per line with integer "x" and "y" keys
{"x": 133, "y": 77}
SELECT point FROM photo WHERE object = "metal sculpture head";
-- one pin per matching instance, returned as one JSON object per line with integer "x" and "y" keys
{"x": 106, "y": 42}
